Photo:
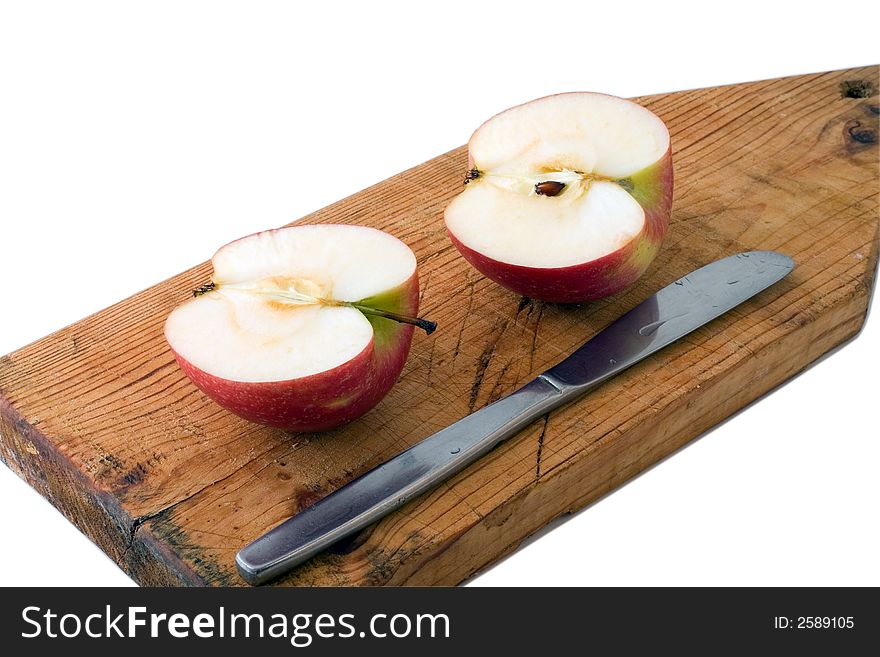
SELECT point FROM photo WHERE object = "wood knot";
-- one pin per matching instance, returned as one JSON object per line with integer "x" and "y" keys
{"x": 305, "y": 497}
{"x": 859, "y": 134}
{"x": 857, "y": 89}
{"x": 133, "y": 477}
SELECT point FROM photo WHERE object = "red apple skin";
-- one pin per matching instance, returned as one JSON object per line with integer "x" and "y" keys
{"x": 602, "y": 277}
{"x": 327, "y": 399}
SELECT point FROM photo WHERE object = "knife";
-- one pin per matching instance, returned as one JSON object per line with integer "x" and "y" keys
{"x": 673, "y": 312}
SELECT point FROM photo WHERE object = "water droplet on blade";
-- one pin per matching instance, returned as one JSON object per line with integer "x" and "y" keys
{"x": 455, "y": 451}
{"x": 732, "y": 282}
{"x": 650, "y": 329}
{"x": 679, "y": 283}
{"x": 611, "y": 361}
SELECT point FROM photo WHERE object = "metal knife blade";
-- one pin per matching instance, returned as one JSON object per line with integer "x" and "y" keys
{"x": 673, "y": 312}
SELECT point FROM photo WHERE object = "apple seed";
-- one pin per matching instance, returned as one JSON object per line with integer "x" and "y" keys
{"x": 549, "y": 188}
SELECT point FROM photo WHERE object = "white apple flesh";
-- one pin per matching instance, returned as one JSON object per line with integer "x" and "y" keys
{"x": 568, "y": 197}
{"x": 294, "y": 329}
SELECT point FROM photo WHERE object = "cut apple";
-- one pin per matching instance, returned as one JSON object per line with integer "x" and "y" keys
{"x": 303, "y": 328}
{"x": 567, "y": 198}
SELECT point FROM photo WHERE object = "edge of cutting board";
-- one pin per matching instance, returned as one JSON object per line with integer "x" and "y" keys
{"x": 787, "y": 164}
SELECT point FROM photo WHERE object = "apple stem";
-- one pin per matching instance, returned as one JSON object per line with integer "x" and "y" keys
{"x": 203, "y": 289}
{"x": 295, "y": 297}
{"x": 473, "y": 174}
{"x": 426, "y": 325}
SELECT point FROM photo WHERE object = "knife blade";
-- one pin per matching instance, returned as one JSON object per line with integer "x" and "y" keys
{"x": 670, "y": 314}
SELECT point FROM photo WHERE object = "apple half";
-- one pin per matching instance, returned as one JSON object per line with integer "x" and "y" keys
{"x": 303, "y": 328}
{"x": 567, "y": 197}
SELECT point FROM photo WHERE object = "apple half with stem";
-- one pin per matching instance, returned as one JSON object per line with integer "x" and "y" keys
{"x": 303, "y": 328}
{"x": 567, "y": 197}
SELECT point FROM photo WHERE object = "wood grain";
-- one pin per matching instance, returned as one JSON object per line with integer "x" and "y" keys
{"x": 99, "y": 419}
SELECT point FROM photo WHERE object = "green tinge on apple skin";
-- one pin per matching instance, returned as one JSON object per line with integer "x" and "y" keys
{"x": 652, "y": 189}
{"x": 646, "y": 185}
{"x": 386, "y": 331}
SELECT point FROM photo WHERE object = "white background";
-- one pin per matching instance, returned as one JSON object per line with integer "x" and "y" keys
{"x": 136, "y": 138}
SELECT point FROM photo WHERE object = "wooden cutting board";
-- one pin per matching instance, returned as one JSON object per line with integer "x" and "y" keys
{"x": 99, "y": 419}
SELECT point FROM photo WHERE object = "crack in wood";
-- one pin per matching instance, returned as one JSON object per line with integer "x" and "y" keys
{"x": 483, "y": 363}
{"x": 524, "y": 302}
{"x": 497, "y": 390}
{"x": 464, "y": 319}
{"x": 535, "y": 335}
{"x": 540, "y": 449}
{"x": 482, "y": 366}
{"x": 139, "y": 521}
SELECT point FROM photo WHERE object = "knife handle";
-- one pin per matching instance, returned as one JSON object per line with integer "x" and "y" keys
{"x": 383, "y": 489}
